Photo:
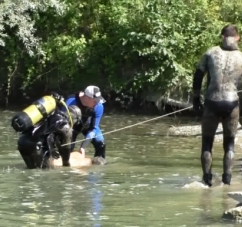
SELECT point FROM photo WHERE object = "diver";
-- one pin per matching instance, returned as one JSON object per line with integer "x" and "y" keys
{"x": 90, "y": 102}
{"x": 44, "y": 127}
{"x": 223, "y": 66}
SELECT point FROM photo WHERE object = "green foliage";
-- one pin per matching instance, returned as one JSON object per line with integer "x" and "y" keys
{"x": 15, "y": 18}
{"x": 148, "y": 45}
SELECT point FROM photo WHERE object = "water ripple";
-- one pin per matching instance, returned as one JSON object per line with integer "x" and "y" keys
{"x": 140, "y": 186}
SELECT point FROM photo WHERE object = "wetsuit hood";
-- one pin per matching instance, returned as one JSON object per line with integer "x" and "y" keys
{"x": 229, "y": 43}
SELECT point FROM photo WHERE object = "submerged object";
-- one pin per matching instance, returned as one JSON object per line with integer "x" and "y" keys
{"x": 80, "y": 160}
{"x": 34, "y": 113}
{"x": 76, "y": 160}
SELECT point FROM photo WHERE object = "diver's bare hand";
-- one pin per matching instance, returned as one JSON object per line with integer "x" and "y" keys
{"x": 82, "y": 151}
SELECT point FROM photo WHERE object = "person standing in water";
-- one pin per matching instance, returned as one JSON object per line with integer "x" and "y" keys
{"x": 90, "y": 102}
{"x": 223, "y": 66}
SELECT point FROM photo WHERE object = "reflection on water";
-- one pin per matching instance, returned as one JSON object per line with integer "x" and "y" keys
{"x": 140, "y": 186}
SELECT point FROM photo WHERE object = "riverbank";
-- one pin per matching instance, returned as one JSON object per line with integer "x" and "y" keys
{"x": 195, "y": 131}
{"x": 113, "y": 109}
{"x": 119, "y": 103}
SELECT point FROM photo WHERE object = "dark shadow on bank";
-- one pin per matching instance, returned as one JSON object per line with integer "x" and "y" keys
{"x": 137, "y": 107}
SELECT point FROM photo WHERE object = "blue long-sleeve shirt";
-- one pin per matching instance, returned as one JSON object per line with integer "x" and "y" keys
{"x": 90, "y": 118}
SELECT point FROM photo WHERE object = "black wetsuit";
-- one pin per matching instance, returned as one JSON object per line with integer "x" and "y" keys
{"x": 223, "y": 64}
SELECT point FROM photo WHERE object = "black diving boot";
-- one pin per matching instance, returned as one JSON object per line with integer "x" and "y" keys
{"x": 226, "y": 178}
{"x": 207, "y": 178}
{"x": 100, "y": 154}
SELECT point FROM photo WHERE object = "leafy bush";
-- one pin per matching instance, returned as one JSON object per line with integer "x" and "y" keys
{"x": 120, "y": 44}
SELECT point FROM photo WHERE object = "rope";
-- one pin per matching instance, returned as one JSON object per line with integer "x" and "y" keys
{"x": 130, "y": 126}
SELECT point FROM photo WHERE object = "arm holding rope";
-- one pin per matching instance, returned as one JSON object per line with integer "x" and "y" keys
{"x": 93, "y": 127}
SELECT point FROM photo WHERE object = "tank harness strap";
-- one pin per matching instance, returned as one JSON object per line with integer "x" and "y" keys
{"x": 41, "y": 109}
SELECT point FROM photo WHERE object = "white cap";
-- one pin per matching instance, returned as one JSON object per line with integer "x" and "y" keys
{"x": 95, "y": 93}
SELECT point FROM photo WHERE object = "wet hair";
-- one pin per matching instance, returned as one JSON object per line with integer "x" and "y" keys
{"x": 230, "y": 30}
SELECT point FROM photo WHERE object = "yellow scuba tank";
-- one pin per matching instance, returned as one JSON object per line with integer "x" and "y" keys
{"x": 34, "y": 113}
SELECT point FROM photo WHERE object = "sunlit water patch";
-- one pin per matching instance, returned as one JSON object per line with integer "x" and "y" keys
{"x": 151, "y": 179}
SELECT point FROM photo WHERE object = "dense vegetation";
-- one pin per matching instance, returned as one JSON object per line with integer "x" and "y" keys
{"x": 117, "y": 44}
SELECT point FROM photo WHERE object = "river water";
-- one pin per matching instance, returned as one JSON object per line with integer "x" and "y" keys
{"x": 140, "y": 186}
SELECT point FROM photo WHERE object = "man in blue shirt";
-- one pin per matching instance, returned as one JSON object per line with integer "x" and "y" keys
{"x": 90, "y": 102}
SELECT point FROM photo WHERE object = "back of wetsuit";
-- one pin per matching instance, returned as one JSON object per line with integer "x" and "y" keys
{"x": 224, "y": 67}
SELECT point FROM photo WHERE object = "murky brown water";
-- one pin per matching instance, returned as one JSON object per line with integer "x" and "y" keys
{"x": 140, "y": 186}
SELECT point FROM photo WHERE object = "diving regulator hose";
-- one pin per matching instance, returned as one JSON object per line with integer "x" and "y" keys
{"x": 68, "y": 112}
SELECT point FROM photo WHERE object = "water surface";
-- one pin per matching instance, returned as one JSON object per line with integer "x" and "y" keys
{"x": 140, "y": 186}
